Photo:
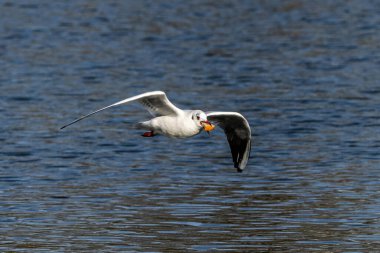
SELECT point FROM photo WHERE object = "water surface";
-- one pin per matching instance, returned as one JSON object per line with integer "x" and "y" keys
{"x": 305, "y": 76}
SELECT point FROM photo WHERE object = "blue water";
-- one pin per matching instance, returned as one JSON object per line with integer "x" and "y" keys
{"x": 305, "y": 75}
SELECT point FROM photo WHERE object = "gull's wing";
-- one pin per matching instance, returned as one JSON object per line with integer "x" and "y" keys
{"x": 155, "y": 102}
{"x": 238, "y": 134}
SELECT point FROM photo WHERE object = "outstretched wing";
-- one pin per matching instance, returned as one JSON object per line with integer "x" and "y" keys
{"x": 155, "y": 102}
{"x": 238, "y": 134}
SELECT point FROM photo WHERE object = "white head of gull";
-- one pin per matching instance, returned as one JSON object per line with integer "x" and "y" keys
{"x": 171, "y": 121}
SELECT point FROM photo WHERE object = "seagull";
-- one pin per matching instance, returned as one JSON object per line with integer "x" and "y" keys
{"x": 171, "y": 121}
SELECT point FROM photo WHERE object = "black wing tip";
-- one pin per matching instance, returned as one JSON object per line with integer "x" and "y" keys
{"x": 62, "y": 127}
{"x": 236, "y": 165}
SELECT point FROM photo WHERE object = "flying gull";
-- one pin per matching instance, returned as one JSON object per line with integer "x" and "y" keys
{"x": 171, "y": 121}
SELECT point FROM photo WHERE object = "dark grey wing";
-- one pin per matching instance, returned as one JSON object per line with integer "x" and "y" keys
{"x": 238, "y": 134}
{"x": 155, "y": 102}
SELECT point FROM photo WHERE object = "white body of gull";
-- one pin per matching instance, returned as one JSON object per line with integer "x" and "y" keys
{"x": 174, "y": 122}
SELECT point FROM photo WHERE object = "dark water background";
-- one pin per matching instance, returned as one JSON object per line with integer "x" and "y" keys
{"x": 306, "y": 75}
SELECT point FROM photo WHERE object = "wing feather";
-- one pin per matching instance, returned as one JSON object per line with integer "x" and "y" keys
{"x": 155, "y": 102}
{"x": 158, "y": 104}
{"x": 238, "y": 133}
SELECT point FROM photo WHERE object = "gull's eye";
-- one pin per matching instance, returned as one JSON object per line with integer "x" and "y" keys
{"x": 198, "y": 117}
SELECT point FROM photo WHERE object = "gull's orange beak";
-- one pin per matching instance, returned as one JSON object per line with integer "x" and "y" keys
{"x": 207, "y": 126}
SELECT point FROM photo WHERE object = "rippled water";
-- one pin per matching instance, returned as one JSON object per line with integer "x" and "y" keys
{"x": 306, "y": 76}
